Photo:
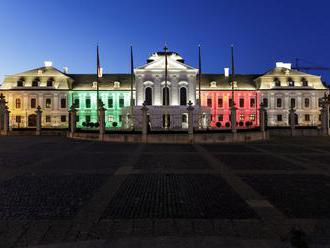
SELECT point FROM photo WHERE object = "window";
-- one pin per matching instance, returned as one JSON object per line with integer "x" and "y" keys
{"x": 63, "y": 103}
{"x": 279, "y": 102}
{"x": 306, "y": 102}
{"x": 220, "y": 103}
{"x": 220, "y": 117}
{"x": 148, "y": 96}
{"x": 320, "y": 102}
{"x": 252, "y": 102}
{"x": 265, "y": 102}
{"x": 279, "y": 118}
{"x": 77, "y": 118}
{"x": 230, "y": 102}
{"x": 277, "y": 82}
{"x": 63, "y": 118}
{"x": 88, "y": 103}
{"x": 18, "y": 103}
{"x": 293, "y": 103}
{"x": 120, "y": 118}
{"x": 121, "y": 102}
{"x": 77, "y": 103}
{"x": 20, "y": 83}
{"x": 33, "y": 103}
{"x": 166, "y": 96}
{"x": 18, "y": 119}
{"x": 35, "y": 83}
{"x": 50, "y": 83}
{"x": 183, "y": 96}
{"x": 48, "y": 118}
{"x": 304, "y": 83}
{"x": 241, "y": 103}
{"x": 110, "y": 103}
{"x": 88, "y": 118}
{"x": 307, "y": 117}
{"x": 110, "y": 118}
{"x": 291, "y": 83}
{"x": 252, "y": 117}
{"x": 241, "y": 117}
{"x": 209, "y": 102}
{"x": 48, "y": 103}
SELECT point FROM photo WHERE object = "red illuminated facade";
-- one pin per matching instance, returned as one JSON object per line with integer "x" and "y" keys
{"x": 216, "y": 93}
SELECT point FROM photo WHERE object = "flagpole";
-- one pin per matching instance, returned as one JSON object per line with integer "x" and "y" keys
{"x": 232, "y": 75}
{"x": 165, "y": 89}
{"x": 98, "y": 76}
{"x": 132, "y": 79}
{"x": 199, "y": 75}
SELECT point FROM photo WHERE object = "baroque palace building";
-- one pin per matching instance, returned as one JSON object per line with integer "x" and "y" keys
{"x": 165, "y": 85}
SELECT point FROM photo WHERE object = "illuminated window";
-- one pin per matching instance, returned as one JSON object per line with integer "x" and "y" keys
{"x": 304, "y": 82}
{"x": 279, "y": 102}
{"x": 110, "y": 103}
{"x": 33, "y": 103}
{"x": 18, "y": 119}
{"x": 279, "y": 118}
{"x": 63, "y": 103}
{"x": 209, "y": 102}
{"x": 252, "y": 117}
{"x": 88, "y": 103}
{"x": 121, "y": 103}
{"x": 252, "y": 102}
{"x": 307, "y": 117}
{"x": 306, "y": 102}
{"x": 293, "y": 103}
{"x": 63, "y": 118}
{"x": 77, "y": 103}
{"x": 48, "y": 118}
{"x": 291, "y": 82}
{"x": 220, "y": 103}
{"x": 183, "y": 96}
{"x": 110, "y": 118}
{"x": 241, "y": 117}
{"x": 48, "y": 103}
{"x": 18, "y": 103}
{"x": 241, "y": 102}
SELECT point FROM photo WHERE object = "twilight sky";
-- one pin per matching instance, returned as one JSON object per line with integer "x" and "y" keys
{"x": 66, "y": 32}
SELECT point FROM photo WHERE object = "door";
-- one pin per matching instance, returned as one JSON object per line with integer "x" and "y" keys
{"x": 32, "y": 120}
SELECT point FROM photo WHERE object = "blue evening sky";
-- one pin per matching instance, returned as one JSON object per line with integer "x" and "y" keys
{"x": 66, "y": 32}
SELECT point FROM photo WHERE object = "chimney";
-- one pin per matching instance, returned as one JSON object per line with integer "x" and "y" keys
{"x": 226, "y": 72}
{"x": 48, "y": 63}
{"x": 283, "y": 65}
{"x": 66, "y": 70}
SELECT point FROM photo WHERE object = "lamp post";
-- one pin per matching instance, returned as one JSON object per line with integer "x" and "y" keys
{"x": 325, "y": 102}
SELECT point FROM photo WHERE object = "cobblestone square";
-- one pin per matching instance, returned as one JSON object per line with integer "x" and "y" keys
{"x": 55, "y": 190}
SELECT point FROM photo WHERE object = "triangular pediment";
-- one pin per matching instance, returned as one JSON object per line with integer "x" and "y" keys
{"x": 160, "y": 65}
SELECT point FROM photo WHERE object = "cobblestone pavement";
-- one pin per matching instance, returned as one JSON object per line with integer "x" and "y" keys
{"x": 59, "y": 192}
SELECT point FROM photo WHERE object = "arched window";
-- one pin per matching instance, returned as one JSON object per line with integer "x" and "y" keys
{"x": 183, "y": 96}
{"x": 148, "y": 96}
{"x": 18, "y": 103}
{"x": 166, "y": 96}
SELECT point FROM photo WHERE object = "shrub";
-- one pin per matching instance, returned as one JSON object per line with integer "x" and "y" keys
{"x": 114, "y": 124}
{"x": 241, "y": 123}
{"x": 218, "y": 124}
{"x": 227, "y": 124}
{"x": 96, "y": 124}
{"x": 84, "y": 124}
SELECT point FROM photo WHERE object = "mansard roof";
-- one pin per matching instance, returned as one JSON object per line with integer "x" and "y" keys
{"x": 85, "y": 81}
{"x": 244, "y": 82}
{"x": 281, "y": 71}
{"x": 45, "y": 71}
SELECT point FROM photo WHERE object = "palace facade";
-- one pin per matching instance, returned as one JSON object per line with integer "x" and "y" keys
{"x": 165, "y": 96}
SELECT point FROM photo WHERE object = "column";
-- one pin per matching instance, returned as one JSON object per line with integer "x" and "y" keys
{"x": 145, "y": 123}
{"x": 6, "y": 121}
{"x": 190, "y": 121}
{"x": 39, "y": 125}
{"x": 73, "y": 120}
{"x": 102, "y": 120}
{"x": 292, "y": 121}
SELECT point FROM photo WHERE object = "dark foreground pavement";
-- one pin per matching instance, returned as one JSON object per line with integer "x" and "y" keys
{"x": 57, "y": 192}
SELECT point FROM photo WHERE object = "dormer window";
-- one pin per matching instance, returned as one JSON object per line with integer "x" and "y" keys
{"x": 277, "y": 82}
{"x": 213, "y": 84}
{"x": 116, "y": 84}
{"x": 20, "y": 83}
{"x": 35, "y": 82}
{"x": 50, "y": 82}
{"x": 290, "y": 82}
{"x": 304, "y": 82}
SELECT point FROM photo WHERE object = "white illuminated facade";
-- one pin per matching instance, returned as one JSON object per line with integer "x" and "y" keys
{"x": 283, "y": 88}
